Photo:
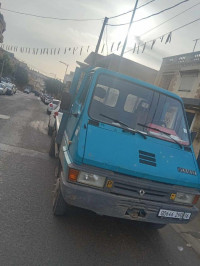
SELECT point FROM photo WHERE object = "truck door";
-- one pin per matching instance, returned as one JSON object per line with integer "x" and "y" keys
{"x": 77, "y": 108}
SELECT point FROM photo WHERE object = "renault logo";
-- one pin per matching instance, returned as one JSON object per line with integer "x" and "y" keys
{"x": 141, "y": 192}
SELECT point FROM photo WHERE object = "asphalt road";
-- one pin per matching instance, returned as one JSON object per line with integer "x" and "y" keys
{"x": 31, "y": 235}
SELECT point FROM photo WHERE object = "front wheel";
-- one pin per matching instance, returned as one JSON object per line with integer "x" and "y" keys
{"x": 59, "y": 204}
{"x": 52, "y": 145}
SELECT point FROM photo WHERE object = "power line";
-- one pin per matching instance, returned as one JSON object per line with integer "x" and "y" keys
{"x": 131, "y": 10}
{"x": 146, "y": 4}
{"x": 70, "y": 19}
{"x": 66, "y": 19}
{"x": 155, "y": 14}
{"x": 183, "y": 26}
{"x": 169, "y": 19}
{"x": 46, "y": 17}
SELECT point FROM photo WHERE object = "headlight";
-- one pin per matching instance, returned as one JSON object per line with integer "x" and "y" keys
{"x": 91, "y": 179}
{"x": 184, "y": 198}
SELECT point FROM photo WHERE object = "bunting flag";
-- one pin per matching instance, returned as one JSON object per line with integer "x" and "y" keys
{"x": 169, "y": 37}
{"x": 102, "y": 48}
{"x": 118, "y": 46}
{"x": 161, "y": 38}
{"x": 144, "y": 47}
{"x": 81, "y": 50}
{"x": 153, "y": 44}
{"x": 112, "y": 47}
{"x": 134, "y": 48}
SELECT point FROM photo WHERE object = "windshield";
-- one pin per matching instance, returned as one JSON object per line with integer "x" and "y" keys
{"x": 56, "y": 101}
{"x": 139, "y": 108}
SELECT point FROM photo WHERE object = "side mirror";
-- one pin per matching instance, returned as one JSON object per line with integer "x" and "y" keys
{"x": 100, "y": 92}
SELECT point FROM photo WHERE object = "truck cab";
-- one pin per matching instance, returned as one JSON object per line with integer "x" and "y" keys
{"x": 125, "y": 151}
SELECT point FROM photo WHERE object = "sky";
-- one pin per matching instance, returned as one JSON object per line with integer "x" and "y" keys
{"x": 32, "y": 32}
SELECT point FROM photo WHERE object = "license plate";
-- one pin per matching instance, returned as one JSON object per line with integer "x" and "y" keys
{"x": 174, "y": 214}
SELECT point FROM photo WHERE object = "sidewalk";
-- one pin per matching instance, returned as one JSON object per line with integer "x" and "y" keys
{"x": 190, "y": 232}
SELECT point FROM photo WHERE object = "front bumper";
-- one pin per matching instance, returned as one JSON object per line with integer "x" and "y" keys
{"x": 104, "y": 203}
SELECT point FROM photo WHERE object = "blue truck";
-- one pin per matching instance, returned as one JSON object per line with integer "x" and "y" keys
{"x": 125, "y": 151}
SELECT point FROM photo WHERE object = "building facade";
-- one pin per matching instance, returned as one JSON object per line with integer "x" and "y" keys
{"x": 123, "y": 65}
{"x": 181, "y": 75}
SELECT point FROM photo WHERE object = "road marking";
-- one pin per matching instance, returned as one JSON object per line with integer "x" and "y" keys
{"x": 23, "y": 151}
{"x": 4, "y": 117}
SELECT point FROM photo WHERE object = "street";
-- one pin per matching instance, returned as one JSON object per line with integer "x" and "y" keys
{"x": 31, "y": 235}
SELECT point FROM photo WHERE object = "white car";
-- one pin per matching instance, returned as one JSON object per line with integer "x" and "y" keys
{"x": 52, "y": 119}
{"x": 3, "y": 89}
{"x": 54, "y": 104}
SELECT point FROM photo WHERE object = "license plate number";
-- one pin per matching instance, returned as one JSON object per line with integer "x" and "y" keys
{"x": 174, "y": 214}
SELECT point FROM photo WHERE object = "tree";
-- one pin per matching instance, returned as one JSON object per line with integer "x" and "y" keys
{"x": 54, "y": 87}
{"x": 21, "y": 76}
{"x": 6, "y": 66}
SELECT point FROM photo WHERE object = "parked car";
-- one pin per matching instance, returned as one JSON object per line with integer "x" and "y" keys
{"x": 3, "y": 89}
{"x": 14, "y": 89}
{"x": 57, "y": 112}
{"x": 52, "y": 106}
{"x": 10, "y": 88}
{"x": 6, "y": 80}
{"x": 27, "y": 90}
{"x": 37, "y": 93}
{"x": 48, "y": 99}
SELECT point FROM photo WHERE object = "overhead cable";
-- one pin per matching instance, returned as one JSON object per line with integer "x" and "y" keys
{"x": 46, "y": 17}
{"x": 146, "y": 4}
{"x": 169, "y": 19}
{"x": 170, "y": 32}
{"x": 155, "y": 14}
{"x": 131, "y": 10}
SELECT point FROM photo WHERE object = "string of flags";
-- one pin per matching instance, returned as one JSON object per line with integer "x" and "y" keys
{"x": 137, "y": 48}
{"x": 45, "y": 51}
{"x": 142, "y": 45}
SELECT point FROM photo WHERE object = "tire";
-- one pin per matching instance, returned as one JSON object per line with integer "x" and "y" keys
{"x": 48, "y": 112}
{"x": 52, "y": 145}
{"x": 57, "y": 170}
{"x": 59, "y": 204}
{"x": 50, "y": 131}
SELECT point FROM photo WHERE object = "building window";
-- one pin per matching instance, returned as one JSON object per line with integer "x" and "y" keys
{"x": 187, "y": 81}
{"x": 166, "y": 80}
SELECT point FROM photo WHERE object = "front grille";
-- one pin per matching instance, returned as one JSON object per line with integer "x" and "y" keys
{"x": 147, "y": 158}
{"x": 145, "y": 192}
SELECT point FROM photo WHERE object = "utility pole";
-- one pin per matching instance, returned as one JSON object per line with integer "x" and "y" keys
{"x": 196, "y": 40}
{"x": 99, "y": 40}
{"x": 66, "y": 68}
{"x": 131, "y": 21}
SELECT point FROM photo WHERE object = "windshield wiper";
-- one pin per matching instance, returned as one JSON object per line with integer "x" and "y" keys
{"x": 124, "y": 126}
{"x": 167, "y": 134}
